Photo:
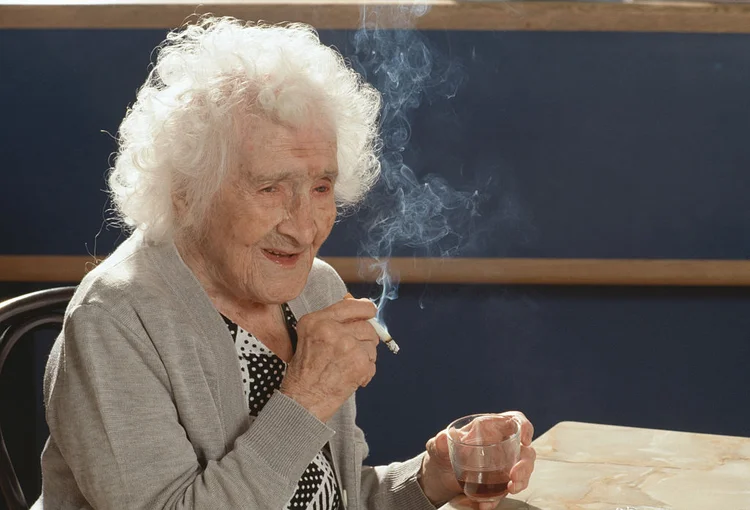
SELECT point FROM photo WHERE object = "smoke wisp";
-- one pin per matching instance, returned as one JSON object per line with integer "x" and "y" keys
{"x": 422, "y": 214}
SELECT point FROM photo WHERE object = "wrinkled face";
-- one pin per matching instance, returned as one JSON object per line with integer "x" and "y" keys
{"x": 271, "y": 217}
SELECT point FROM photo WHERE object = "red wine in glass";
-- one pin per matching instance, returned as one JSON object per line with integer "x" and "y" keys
{"x": 483, "y": 485}
{"x": 483, "y": 449}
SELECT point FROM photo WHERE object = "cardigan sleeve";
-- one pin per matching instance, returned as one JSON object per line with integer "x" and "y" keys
{"x": 392, "y": 486}
{"x": 112, "y": 416}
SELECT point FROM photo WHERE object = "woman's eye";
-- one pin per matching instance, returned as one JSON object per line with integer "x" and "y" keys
{"x": 324, "y": 188}
{"x": 269, "y": 189}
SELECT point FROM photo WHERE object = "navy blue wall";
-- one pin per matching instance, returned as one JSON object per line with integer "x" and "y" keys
{"x": 591, "y": 145}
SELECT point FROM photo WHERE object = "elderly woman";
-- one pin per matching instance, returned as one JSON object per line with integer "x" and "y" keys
{"x": 210, "y": 361}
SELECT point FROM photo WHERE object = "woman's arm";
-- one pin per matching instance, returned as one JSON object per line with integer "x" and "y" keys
{"x": 112, "y": 415}
{"x": 393, "y": 486}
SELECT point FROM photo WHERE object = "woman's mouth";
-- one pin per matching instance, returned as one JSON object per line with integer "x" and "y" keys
{"x": 281, "y": 257}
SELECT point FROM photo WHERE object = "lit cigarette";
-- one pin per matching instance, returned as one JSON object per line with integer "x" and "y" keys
{"x": 386, "y": 338}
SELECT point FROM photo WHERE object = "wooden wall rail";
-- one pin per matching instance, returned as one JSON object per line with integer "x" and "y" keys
{"x": 507, "y": 271}
{"x": 637, "y": 16}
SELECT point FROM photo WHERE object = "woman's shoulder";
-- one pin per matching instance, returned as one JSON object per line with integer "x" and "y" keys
{"x": 324, "y": 277}
{"x": 324, "y": 273}
{"x": 123, "y": 280}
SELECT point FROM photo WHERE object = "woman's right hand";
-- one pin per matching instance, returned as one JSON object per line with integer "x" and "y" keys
{"x": 336, "y": 354}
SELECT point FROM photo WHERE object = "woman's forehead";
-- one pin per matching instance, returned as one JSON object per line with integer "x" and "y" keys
{"x": 267, "y": 133}
{"x": 286, "y": 163}
{"x": 280, "y": 149}
{"x": 301, "y": 148}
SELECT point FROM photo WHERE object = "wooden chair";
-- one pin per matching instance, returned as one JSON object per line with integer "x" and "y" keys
{"x": 20, "y": 316}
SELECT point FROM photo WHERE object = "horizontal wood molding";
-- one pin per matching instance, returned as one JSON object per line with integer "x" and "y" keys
{"x": 638, "y": 16}
{"x": 44, "y": 268}
{"x": 506, "y": 271}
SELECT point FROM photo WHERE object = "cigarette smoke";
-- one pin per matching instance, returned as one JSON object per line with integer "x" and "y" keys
{"x": 404, "y": 210}
{"x": 420, "y": 214}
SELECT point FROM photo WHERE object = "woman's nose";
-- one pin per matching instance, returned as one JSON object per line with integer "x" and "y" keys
{"x": 299, "y": 222}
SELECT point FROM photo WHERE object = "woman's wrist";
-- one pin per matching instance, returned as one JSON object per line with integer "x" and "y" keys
{"x": 432, "y": 487}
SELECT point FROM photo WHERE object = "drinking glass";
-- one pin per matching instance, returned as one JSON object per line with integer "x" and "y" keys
{"x": 483, "y": 449}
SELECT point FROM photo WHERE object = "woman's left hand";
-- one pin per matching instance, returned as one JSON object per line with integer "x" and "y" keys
{"x": 439, "y": 483}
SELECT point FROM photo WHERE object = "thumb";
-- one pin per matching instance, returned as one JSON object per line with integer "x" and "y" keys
{"x": 437, "y": 448}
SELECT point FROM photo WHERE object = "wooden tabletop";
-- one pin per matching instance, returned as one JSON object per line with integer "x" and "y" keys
{"x": 604, "y": 467}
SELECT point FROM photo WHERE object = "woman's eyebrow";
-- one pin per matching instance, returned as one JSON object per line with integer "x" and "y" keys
{"x": 272, "y": 176}
{"x": 284, "y": 175}
{"x": 331, "y": 174}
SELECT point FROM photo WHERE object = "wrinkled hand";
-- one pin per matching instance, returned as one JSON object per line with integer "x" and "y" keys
{"x": 439, "y": 483}
{"x": 336, "y": 354}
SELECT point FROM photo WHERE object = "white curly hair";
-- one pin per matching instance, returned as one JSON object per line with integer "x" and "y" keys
{"x": 181, "y": 137}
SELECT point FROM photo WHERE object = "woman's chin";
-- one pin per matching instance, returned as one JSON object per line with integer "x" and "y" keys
{"x": 275, "y": 284}
{"x": 284, "y": 290}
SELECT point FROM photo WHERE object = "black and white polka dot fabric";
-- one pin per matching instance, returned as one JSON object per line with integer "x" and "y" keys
{"x": 262, "y": 373}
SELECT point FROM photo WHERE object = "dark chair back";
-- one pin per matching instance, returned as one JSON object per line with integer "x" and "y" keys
{"x": 18, "y": 317}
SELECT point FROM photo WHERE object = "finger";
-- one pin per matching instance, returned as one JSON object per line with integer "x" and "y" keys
{"x": 372, "y": 351}
{"x": 367, "y": 347}
{"x": 350, "y": 310}
{"x": 492, "y": 427}
{"x": 370, "y": 373}
{"x": 361, "y": 337}
{"x": 525, "y": 466}
{"x": 437, "y": 448}
{"x": 527, "y": 429}
{"x": 516, "y": 487}
{"x": 362, "y": 357}
{"x": 363, "y": 331}
{"x": 520, "y": 474}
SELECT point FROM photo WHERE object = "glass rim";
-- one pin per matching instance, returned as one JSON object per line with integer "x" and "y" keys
{"x": 512, "y": 437}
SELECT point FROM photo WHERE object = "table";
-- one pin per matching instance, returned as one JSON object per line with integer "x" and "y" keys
{"x": 602, "y": 467}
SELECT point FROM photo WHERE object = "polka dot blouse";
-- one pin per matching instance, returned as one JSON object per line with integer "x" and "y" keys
{"x": 262, "y": 372}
